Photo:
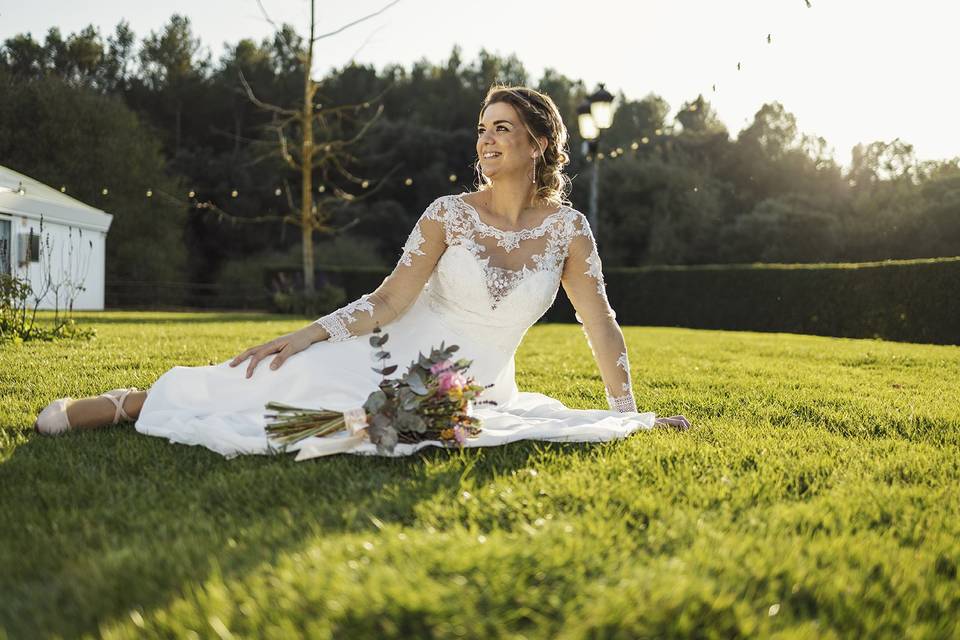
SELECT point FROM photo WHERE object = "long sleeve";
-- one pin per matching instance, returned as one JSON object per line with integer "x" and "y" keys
{"x": 583, "y": 283}
{"x": 424, "y": 246}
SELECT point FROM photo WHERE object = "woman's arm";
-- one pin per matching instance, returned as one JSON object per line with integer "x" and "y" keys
{"x": 396, "y": 293}
{"x": 583, "y": 282}
{"x": 424, "y": 247}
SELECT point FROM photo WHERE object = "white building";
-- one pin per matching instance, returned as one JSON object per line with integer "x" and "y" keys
{"x": 70, "y": 248}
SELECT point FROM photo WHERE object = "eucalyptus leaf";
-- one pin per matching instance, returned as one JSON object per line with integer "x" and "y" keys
{"x": 388, "y": 370}
{"x": 416, "y": 384}
{"x": 375, "y": 401}
{"x": 381, "y": 355}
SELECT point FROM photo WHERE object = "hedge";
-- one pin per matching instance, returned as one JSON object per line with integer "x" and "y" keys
{"x": 905, "y": 300}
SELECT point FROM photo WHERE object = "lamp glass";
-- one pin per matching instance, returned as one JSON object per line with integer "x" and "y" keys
{"x": 588, "y": 126}
{"x": 602, "y": 112}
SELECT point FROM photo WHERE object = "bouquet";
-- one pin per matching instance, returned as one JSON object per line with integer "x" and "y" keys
{"x": 433, "y": 400}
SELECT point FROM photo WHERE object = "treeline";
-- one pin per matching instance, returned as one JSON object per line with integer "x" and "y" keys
{"x": 91, "y": 112}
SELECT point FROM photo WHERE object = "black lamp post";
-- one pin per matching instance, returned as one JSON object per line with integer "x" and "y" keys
{"x": 594, "y": 114}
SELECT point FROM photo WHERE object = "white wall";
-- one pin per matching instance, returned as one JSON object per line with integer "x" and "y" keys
{"x": 85, "y": 266}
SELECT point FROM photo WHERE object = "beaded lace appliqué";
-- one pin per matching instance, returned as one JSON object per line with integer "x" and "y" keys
{"x": 416, "y": 239}
{"x": 464, "y": 223}
{"x": 626, "y": 401}
{"x": 336, "y": 323}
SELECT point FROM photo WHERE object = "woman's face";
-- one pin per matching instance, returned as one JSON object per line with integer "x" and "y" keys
{"x": 503, "y": 144}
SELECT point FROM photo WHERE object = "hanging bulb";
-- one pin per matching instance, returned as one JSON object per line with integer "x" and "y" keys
{"x": 452, "y": 177}
{"x": 149, "y": 193}
{"x": 105, "y": 191}
{"x": 408, "y": 181}
{"x": 192, "y": 194}
{"x": 277, "y": 191}
{"x": 234, "y": 193}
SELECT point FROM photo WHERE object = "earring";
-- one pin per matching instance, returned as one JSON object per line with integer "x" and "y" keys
{"x": 534, "y": 180}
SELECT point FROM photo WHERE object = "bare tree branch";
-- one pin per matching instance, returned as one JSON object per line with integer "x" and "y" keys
{"x": 365, "y": 42}
{"x": 357, "y": 21}
{"x": 321, "y": 112}
{"x": 285, "y": 150}
{"x": 264, "y": 105}
{"x": 278, "y": 30}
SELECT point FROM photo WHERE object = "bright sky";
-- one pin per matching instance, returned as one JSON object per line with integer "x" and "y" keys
{"x": 849, "y": 70}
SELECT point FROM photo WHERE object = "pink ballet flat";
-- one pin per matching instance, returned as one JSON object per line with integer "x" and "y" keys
{"x": 53, "y": 419}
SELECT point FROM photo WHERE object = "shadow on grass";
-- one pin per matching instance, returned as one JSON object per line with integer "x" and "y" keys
{"x": 98, "y": 524}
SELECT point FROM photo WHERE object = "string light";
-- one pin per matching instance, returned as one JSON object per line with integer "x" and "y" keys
{"x": 234, "y": 193}
{"x": 321, "y": 189}
{"x": 634, "y": 145}
{"x": 105, "y": 191}
{"x": 365, "y": 184}
{"x": 192, "y": 194}
{"x": 452, "y": 177}
{"x": 63, "y": 189}
{"x": 408, "y": 181}
{"x": 277, "y": 191}
{"x": 644, "y": 139}
{"x": 149, "y": 193}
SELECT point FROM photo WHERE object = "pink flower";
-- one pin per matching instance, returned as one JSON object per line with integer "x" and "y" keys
{"x": 460, "y": 435}
{"x": 451, "y": 379}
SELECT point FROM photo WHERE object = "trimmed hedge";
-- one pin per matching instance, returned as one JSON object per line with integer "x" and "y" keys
{"x": 905, "y": 300}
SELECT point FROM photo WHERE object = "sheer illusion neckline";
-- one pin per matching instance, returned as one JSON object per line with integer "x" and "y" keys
{"x": 509, "y": 232}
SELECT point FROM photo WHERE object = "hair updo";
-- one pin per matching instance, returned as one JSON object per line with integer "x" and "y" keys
{"x": 541, "y": 118}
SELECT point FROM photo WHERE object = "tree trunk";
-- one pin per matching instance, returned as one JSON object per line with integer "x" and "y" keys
{"x": 306, "y": 168}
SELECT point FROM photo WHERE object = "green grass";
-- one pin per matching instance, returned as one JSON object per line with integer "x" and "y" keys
{"x": 817, "y": 497}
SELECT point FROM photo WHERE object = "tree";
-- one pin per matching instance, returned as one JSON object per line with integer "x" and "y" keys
{"x": 329, "y": 154}
{"x": 64, "y": 135}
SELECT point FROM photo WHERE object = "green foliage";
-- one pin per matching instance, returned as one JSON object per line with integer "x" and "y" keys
{"x": 18, "y": 317}
{"x": 323, "y": 300}
{"x": 815, "y": 497}
{"x": 914, "y": 300}
{"x": 63, "y": 135}
{"x": 690, "y": 193}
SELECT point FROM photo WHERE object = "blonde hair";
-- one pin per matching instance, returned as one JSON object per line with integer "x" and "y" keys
{"x": 541, "y": 118}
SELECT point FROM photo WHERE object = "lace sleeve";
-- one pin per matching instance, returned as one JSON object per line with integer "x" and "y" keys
{"x": 583, "y": 283}
{"x": 424, "y": 246}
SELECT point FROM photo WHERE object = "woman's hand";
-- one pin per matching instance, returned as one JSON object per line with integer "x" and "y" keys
{"x": 675, "y": 422}
{"x": 284, "y": 346}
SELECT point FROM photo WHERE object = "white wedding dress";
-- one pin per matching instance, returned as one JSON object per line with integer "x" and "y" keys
{"x": 459, "y": 280}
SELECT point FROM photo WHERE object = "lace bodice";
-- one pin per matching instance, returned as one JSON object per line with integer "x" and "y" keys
{"x": 494, "y": 284}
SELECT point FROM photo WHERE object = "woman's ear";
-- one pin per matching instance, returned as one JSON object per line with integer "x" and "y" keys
{"x": 542, "y": 144}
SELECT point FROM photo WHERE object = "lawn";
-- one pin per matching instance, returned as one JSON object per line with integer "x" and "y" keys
{"x": 816, "y": 497}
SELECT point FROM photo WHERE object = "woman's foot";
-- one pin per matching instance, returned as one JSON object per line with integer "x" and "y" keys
{"x": 88, "y": 413}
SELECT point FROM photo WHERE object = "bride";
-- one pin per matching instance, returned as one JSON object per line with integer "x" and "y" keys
{"x": 477, "y": 270}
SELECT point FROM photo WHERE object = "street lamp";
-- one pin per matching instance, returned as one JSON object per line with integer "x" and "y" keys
{"x": 594, "y": 114}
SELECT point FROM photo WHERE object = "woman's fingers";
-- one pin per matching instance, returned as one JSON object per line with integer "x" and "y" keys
{"x": 281, "y": 357}
{"x": 677, "y": 422}
{"x": 243, "y": 356}
{"x": 262, "y": 353}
